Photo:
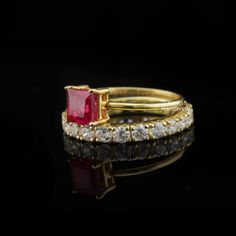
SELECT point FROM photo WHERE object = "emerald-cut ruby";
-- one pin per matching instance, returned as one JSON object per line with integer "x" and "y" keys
{"x": 82, "y": 106}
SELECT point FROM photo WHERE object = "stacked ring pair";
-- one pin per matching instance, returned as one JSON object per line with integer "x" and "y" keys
{"x": 90, "y": 114}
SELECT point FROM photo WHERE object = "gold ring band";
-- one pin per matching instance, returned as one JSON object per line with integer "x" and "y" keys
{"x": 86, "y": 106}
{"x": 143, "y": 99}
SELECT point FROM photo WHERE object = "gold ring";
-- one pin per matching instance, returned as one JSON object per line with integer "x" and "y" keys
{"x": 88, "y": 113}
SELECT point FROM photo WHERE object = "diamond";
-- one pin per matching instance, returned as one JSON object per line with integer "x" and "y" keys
{"x": 105, "y": 151}
{"x": 121, "y": 135}
{"x": 66, "y": 127}
{"x": 74, "y": 149}
{"x": 140, "y": 151}
{"x": 158, "y": 130}
{"x": 175, "y": 145}
{"x": 82, "y": 106}
{"x": 121, "y": 152}
{"x": 103, "y": 134}
{"x": 74, "y": 130}
{"x": 182, "y": 124}
{"x": 161, "y": 150}
{"x": 86, "y": 133}
{"x": 87, "y": 150}
{"x": 139, "y": 133}
{"x": 190, "y": 119}
{"x": 172, "y": 127}
{"x": 64, "y": 118}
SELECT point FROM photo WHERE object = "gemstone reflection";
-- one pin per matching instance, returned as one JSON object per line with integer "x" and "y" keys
{"x": 95, "y": 166}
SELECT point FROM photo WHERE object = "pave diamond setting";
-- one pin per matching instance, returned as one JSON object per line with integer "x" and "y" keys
{"x": 158, "y": 130}
{"x": 86, "y": 134}
{"x": 74, "y": 129}
{"x": 139, "y": 133}
{"x": 172, "y": 127}
{"x": 103, "y": 134}
{"x": 123, "y": 133}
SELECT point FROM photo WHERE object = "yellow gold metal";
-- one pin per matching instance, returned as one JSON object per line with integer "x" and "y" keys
{"x": 101, "y": 105}
{"x": 99, "y": 122}
{"x": 105, "y": 192}
{"x": 134, "y": 99}
{"x": 100, "y": 164}
{"x": 101, "y": 91}
{"x": 86, "y": 87}
{"x": 144, "y": 100}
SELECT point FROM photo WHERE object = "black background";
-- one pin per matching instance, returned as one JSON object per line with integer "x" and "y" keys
{"x": 174, "y": 46}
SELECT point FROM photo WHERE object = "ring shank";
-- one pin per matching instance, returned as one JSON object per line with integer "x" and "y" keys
{"x": 138, "y": 91}
{"x": 144, "y": 100}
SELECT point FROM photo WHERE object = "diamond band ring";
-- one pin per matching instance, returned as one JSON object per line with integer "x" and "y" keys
{"x": 88, "y": 113}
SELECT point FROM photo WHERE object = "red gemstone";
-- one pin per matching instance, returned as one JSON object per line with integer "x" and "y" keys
{"x": 87, "y": 179}
{"x": 82, "y": 106}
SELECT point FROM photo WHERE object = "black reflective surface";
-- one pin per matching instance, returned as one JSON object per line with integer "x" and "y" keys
{"x": 35, "y": 166}
{"x": 108, "y": 51}
{"x": 95, "y": 167}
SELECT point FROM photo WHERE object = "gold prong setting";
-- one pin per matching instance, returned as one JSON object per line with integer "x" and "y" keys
{"x": 131, "y": 132}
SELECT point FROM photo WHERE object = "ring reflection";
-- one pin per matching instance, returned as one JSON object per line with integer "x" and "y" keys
{"x": 95, "y": 166}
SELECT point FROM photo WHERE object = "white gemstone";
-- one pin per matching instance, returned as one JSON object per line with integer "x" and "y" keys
{"x": 190, "y": 118}
{"x": 158, "y": 130}
{"x": 63, "y": 120}
{"x": 121, "y": 135}
{"x": 86, "y": 133}
{"x": 172, "y": 127}
{"x": 74, "y": 129}
{"x": 182, "y": 124}
{"x": 130, "y": 121}
{"x": 66, "y": 127}
{"x": 103, "y": 134}
{"x": 139, "y": 133}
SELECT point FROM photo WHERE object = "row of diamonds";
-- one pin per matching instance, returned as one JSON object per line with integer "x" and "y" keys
{"x": 131, "y": 132}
